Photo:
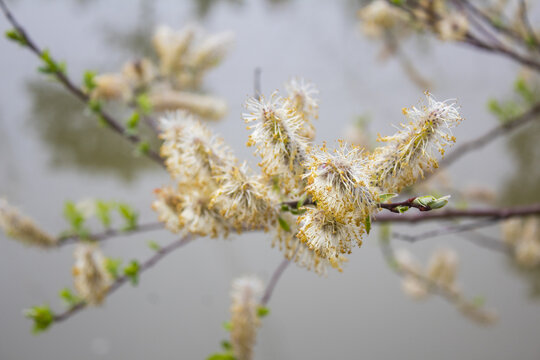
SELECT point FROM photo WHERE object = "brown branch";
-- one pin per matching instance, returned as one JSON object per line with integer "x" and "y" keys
{"x": 111, "y": 233}
{"x": 445, "y": 230}
{"x": 62, "y": 78}
{"x": 472, "y": 40}
{"x": 449, "y": 214}
{"x": 467, "y": 231}
{"x": 160, "y": 254}
{"x": 274, "y": 280}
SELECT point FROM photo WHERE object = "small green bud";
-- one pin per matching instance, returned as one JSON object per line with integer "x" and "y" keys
{"x": 144, "y": 104}
{"x": 112, "y": 266}
{"x": 16, "y": 36}
{"x": 143, "y": 148}
{"x": 68, "y": 297}
{"x": 401, "y": 209}
{"x": 89, "y": 80}
{"x": 154, "y": 245}
{"x": 132, "y": 272}
{"x": 439, "y": 203}
{"x": 130, "y": 216}
{"x": 42, "y": 316}
{"x": 262, "y": 311}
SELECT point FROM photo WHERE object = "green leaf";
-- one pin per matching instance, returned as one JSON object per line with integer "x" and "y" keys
{"x": 132, "y": 272}
{"x": 144, "y": 104}
{"x": 401, "y": 209}
{"x": 301, "y": 201}
{"x": 226, "y": 345}
{"x": 384, "y": 233}
{"x": 16, "y": 36}
{"x": 154, "y": 245}
{"x": 143, "y": 148}
{"x": 385, "y": 197}
{"x": 132, "y": 123}
{"x": 74, "y": 217}
{"x": 103, "y": 212}
{"x": 43, "y": 317}
{"x": 112, "y": 266}
{"x": 262, "y": 311}
{"x": 523, "y": 89}
{"x": 89, "y": 80}
{"x": 284, "y": 224}
{"x": 367, "y": 223}
{"x": 227, "y": 325}
{"x": 130, "y": 216}
{"x": 94, "y": 105}
{"x": 69, "y": 298}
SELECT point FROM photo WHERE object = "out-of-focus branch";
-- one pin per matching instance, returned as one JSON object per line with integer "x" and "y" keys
{"x": 62, "y": 78}
{"x": 472, "y": 39}
{"x": 466, "y": 231}
{"x": 530, "y": 115}
{"x": 160, "y": 254}
{"x": 466, "y": 307}
{"x": 445, "y": 230}
{"x": 109, "y": 233}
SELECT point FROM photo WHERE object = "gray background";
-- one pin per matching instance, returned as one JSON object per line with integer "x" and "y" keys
{"x": 50, "y": 153}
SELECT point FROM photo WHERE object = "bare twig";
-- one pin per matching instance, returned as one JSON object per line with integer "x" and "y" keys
{"x": 160, "y": 254}
{"x": 61, "y": 76}
{"x": 274, "y": 280}
{"x": 445, "y": 230}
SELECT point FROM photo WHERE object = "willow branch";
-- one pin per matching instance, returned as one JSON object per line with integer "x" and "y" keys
{"x": 109, "y": 233}
{"x": 62, "y": 78}
{"x": 120, "y": 281}
{"x": 445, "y": 230}
{"x": 466, "y": 231}
{"x": 495, "y": 214}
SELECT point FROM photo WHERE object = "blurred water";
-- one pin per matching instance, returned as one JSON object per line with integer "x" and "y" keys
{"x": 51, "y": 152}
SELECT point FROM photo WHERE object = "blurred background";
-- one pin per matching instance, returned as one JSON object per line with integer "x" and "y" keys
{"x": 50, "y": 152}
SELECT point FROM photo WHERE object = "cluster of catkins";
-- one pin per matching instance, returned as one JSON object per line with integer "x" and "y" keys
{"x": 522, "y": 236}
{"x": 380, "y": 18}
{"x": 184, "y": 57}
{"x": 214, "y": 193}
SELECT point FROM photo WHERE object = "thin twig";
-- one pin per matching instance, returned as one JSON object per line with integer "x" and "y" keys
{"x": 445, "y": 230}
{"x": 532, "y": 114}
{"x": 274, "y": 280}
{"x": 112, "y": 123}
{"x": 160, "y": 254}
{"x": 111, "y": 233}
